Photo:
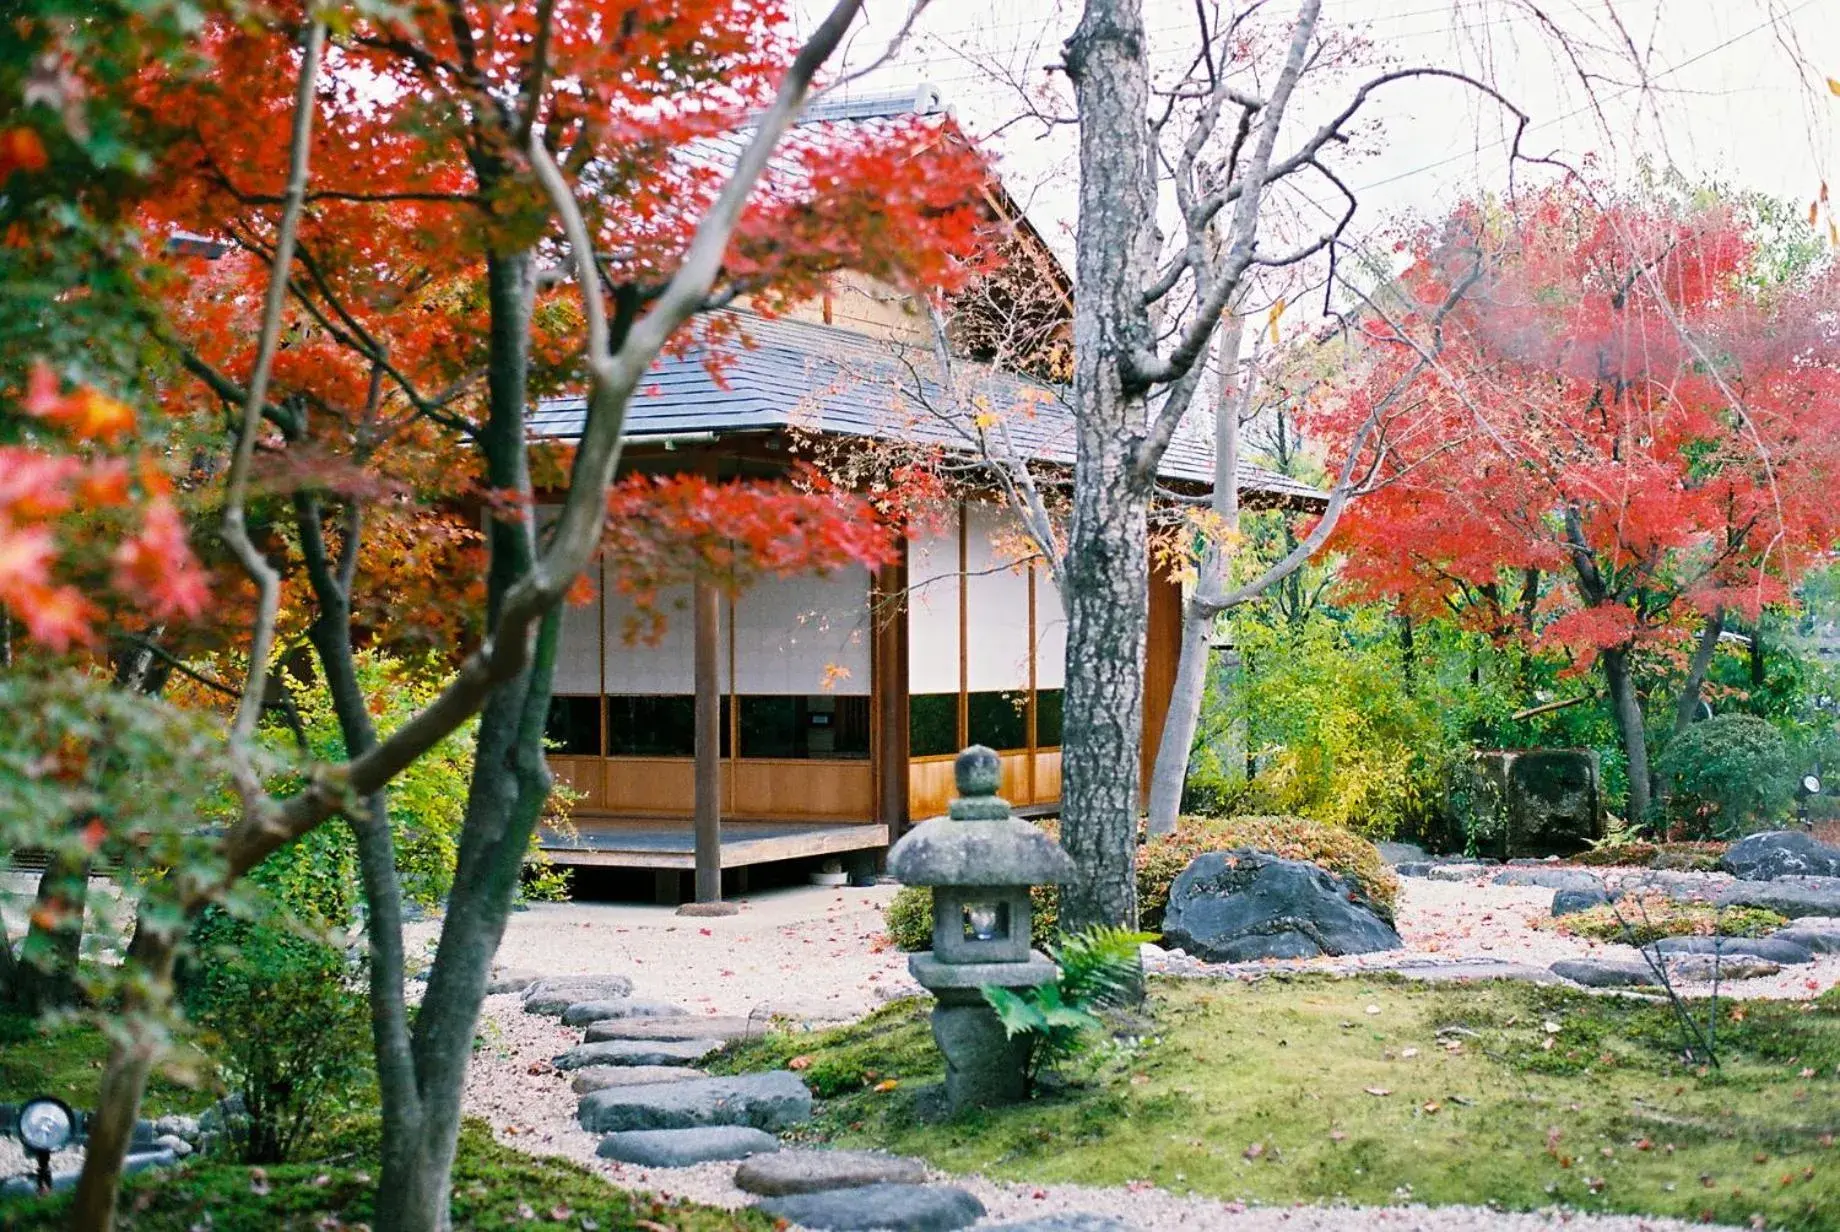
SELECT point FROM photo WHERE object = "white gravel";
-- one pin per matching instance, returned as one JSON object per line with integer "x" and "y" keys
{"x": 818, "y": 955}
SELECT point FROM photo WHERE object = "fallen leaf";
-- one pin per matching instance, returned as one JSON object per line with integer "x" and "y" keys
{"x": 1408, "y": 1053}
{"x": 1373, "y": 1009}
{"x": 799, "y": 1062}
{"x": 1254, "y": 1151}
{"x": 1432, "y": 1108}
{"x": 1380, "y": 1091}
{"x": 887, "y": 1084}
{"x": 1336, "y": 1135}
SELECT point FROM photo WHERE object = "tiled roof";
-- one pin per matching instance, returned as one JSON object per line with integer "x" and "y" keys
{"x": 786, "y": 374}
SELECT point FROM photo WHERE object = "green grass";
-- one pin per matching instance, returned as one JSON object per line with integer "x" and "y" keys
{"x": 1638, "y": 921}
{"x": 495, "y": 1187}
{"x": 65, "y": 1060}
{"x": 1261, "y": 1092}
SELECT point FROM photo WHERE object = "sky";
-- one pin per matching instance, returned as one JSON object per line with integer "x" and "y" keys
{"x": 1735, "y": 90}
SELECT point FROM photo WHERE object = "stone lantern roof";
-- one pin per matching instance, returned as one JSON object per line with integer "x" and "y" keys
{"x": 978, "y": 843}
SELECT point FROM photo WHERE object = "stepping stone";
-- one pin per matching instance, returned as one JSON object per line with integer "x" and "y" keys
{"x": 681, "y": 1027}
{"x": 600, "y": 1077}
{"x": 509, "y": 981}
{"x": 1772, "y": 949}
{"x": 580, "y": 1012}
{"x": 638, "y": 1052}
{"x": 1550, "y": 879}
{"x": 680, "y": 1148}
{"x": 1571, "y": 902}
{"x": 1790, "y": 896}
{"x": 771, "y": 1101}
{"x": 1704, "y": 968}
{"x": 1825, "y": 940}
{"x": 1454, "y": 872}
{"x": 551, "y": 995}
{"x": 793, "y": 1172}
{"x": 903, "y": 1208}
{"x": 1065, "y": 1223}
{"x": 1604, "y": 973}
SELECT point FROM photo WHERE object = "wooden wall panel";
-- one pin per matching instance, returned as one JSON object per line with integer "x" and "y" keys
{"x": 583, "y": 774}
{"x": 796, "y": 789}
{"x": 1047, "y": 777}
{"x": 650, "y": 786}
{"x": 929, "y": 787}
{"x": 1163, "y": 649}
{"x": 1013, "y": 783}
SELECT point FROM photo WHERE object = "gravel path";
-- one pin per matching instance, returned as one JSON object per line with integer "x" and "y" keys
{"x": 817, "y": 955}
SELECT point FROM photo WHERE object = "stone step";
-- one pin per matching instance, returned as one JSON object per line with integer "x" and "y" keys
{"x": 1704, "y": 968}
{"x": 902, "y": 1208}
{"x": 771, "y": 1101}
{"x": 1790, "y": 896}
{"x": 1816, "y": 940}
{"x": 682, "y": 1148}
{"x": 1605, "y": 973}
{"x": 600, "y": 1077}
{"x": 811, "y": 1171}
{"x": 581, "y": 1013}
{"x": 1075, "y": 1222}
{"x": 680, "y": 1028}
{"x": 638, "y": 1052}
{"x": 1773, "y": 949}
{"x": 553, "y": 994}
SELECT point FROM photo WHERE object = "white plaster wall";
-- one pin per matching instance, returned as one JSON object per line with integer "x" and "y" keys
{"x": 791, "y": 632}
{"x": 932, "y": 614}
{"x": 996, "y": 601}
{"x": 1050, "y": 632}
{"x": 667, "y": 667}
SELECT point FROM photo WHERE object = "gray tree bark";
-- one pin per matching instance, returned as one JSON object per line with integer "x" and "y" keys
{"x": 1627, "y": 709}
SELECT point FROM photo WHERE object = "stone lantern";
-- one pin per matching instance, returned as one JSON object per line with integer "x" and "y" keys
{"x": 980, "y": 862}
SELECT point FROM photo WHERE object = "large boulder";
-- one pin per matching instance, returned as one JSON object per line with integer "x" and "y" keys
{"x": 1781, "y": 853}
{"x": 1239, "y": 906}
{"x": 1535, "y": 802}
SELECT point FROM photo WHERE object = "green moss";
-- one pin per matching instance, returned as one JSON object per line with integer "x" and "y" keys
{"x": 1638, "y": 921}
{"x": 495, "y": 1187}
{"x": 1482, "y": 1110}
{"x": 66, "y": 1060}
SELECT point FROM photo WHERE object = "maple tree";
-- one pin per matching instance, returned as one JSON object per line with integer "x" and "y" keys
{"x": 1630, "y": 433}
{"x": 354, "y": 345}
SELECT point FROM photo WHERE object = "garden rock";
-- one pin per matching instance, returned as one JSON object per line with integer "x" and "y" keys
{"x": 1551, "y": 879}
{"x": 600, "y": 1077}
{"x": 1396, "y": 854}
{"x": 1773, "y": 949}
{"x": 794, "y": 1172}
{"x": 509, "y": 981}
{"x": 1790, "y": 896}
{"x": 682, "y": 1148}
{"x": 1781, "y": 853}
{"x": 560, "y": 992}
{"x": 679, "y": 1027}
{"x": 1704, "y": 968}
{"x": 1455, "y": 872}
{"x": 1815, "y": 934}
{"x": 638, "y": 1052}
{"x": 1065, "y": 1223}
{"x": 1571, "y": 902}
{"x": 179, "y": 1147}
{"x": 904, "y": 1208}
{"x": 1236, "y": 906}
{"x": 771, "y": 1101}
{"x": 1605, "y": 973}
{"x": 579, "y": 1013}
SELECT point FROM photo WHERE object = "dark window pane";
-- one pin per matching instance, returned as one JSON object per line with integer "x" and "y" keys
{"x": 571, "y": 727}
{"x": 932, "y": 724}
{"x": 999, "y": 720}
{"x": 641, "y": 725}
{"x": 822, "y": 725}
{"x": 1048, "y": 718}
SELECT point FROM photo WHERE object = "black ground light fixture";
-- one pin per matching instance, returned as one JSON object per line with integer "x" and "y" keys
{"x": 1806, "y": 790}
{"x": 45, "y": 1125}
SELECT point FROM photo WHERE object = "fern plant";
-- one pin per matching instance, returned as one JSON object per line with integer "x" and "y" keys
{"x": 1099, "y": 970}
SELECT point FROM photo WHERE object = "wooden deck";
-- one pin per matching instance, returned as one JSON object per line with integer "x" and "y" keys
{"x": 667, "y": 843}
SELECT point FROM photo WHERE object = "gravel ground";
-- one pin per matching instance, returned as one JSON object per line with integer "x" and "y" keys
{"x": 817, "y": 955}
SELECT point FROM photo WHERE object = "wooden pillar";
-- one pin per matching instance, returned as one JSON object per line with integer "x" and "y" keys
{"x": 888, "y": 681}
{"x": 707, "y": 619}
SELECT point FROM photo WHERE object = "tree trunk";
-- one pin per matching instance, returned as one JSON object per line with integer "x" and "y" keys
{"x": 1759, "y": 676}
{"x": 1627, "y": 709}
{"x": 1408, "y": 654}
{"x": 1688, "y": 706}
{"x": 510, "y": 784}
{"x": 46, "y": 978}
{"x": 1107, "y": 564}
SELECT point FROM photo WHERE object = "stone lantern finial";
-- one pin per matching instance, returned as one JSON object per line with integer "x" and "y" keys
{"x": 978, "y": 774}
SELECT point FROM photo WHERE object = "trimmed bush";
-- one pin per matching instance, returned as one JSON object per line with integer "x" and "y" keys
{"x": 1727, "y": 774}
{"x": 1160, "y": 861}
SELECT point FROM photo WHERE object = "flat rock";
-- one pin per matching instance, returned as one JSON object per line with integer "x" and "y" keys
{"x": 1816, "y": 940}
{"x": 1475, "y": 969}
{"x": 600, "y": 1077}
{"x": 579, "y": 1013}
{"x": 510, "y": 981}
{"x": 551, "y": 995}
{"x": 1571, "y": 902}
{"x": 1237, "y": 906}
{"x": 1681, "y": 887}
{"x": 792, "y": 1172}
{"x": 680, "y": 1148}
{"x": 1704, "y": 968}
{"x": 903, "y": 1208}
{"x": 1780, "y": 853}
{"x": 1773, "y": 949}
{"x": 1065, "y": 1223}
{"x": 771, "y": 1101}
{"x": 680, "y": 1027}
{"x": 1550, "y": 879}
{"x": 1455, "y": 872}
{"x": 638, "y": 1052}
{"x": 1790, "y": 896}
{"x": 1605, "y": 973}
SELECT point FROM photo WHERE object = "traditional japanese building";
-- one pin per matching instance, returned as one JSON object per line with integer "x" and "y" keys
{"x": 844, "y": 698}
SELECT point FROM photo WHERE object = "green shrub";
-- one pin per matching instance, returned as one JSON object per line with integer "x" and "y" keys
{"x": 1727, "y": 774}
{"x": 1099, "y": 970}
{"x": 909, "y": 916}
